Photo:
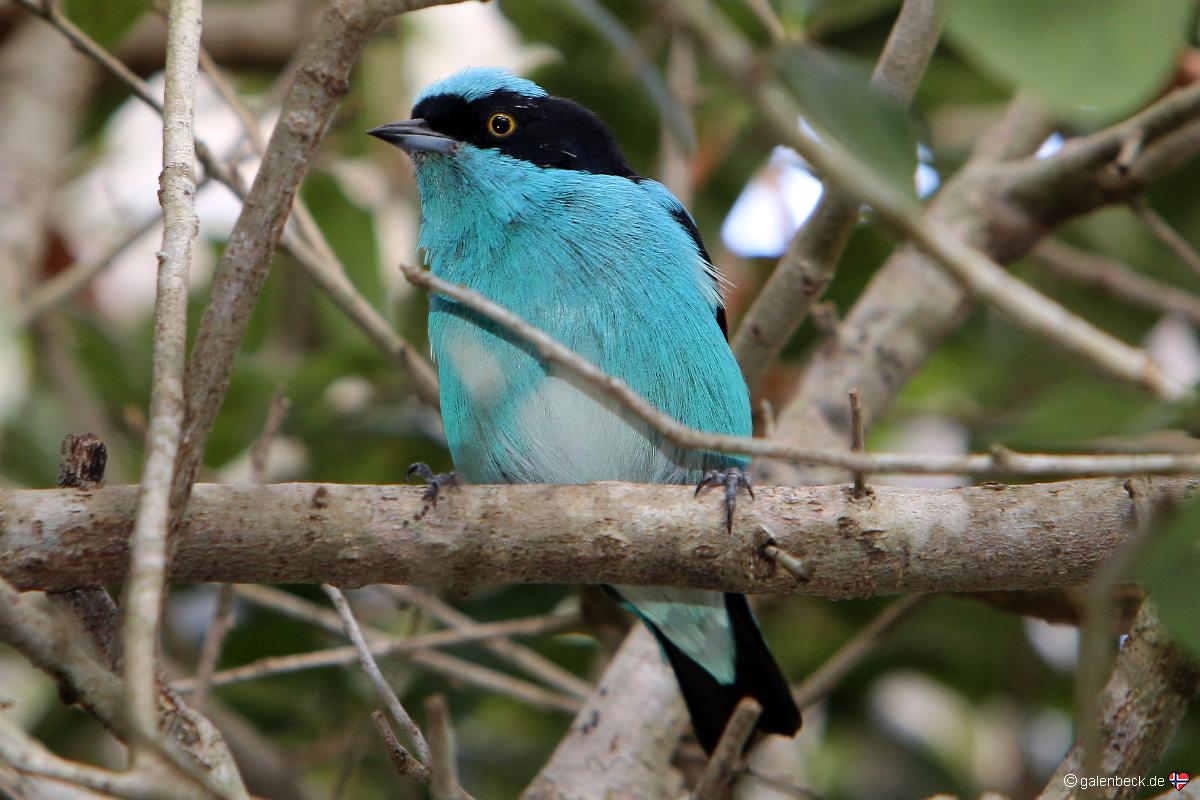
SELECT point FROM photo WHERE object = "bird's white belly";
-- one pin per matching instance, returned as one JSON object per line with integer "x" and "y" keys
{"x": 572, "y": 434}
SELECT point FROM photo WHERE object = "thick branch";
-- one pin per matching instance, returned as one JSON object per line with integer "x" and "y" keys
{"x": 897, "y": 540}
{"x": 623, "y": 737}
{"x": 1150, "y": 689}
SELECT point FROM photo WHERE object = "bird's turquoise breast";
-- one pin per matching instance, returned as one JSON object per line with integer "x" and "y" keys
{"x": 598, "y": 262}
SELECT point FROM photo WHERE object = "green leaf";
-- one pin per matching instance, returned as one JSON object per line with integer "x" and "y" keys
{"x": 1169, "y": 571}
{"x": 1091, "y": 61}
{"x": 837, "y": 99}
{"x": 105, "y": 22}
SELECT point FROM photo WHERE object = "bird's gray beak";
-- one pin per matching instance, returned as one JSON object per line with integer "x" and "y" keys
{"x": 415, "y": 136}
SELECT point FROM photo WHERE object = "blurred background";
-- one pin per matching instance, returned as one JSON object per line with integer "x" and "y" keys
{"x": 961, "y": 699}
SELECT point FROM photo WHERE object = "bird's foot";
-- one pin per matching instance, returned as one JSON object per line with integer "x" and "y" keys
{"x": 732, "y": 479}
{"x": 434, "y": 483}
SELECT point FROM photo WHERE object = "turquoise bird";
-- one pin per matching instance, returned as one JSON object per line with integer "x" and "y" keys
{"x": 527, "y": 199}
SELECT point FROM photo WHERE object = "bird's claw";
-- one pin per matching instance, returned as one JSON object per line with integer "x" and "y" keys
{"x": 732, "y": 479}
{"x": 434, "y": 482}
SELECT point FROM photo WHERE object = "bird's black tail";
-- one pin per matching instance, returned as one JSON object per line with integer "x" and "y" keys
{"x": 712, "y": 703}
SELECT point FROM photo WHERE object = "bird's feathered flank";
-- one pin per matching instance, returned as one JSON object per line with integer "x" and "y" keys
{"x": 535, "y": 207}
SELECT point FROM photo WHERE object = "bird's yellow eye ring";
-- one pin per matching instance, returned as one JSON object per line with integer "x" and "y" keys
{"x": 501, "y": 125}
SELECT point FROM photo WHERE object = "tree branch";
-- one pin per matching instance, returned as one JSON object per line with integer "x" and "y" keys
{"x": 998, "y": 462}
{"x": 966, "y": 264}
{"x": 719, "y": 771}
{"x": 367, "y": 662}
{"x": 321, "y": 81}
{"x": 30, "y": 757}
{"x": 610, "y": 750}
{"x": 807, "y": 268}
{"x": 1000, "y": 205}
{"x": 444, "y": 783}
{"x": 149, "y": 551}
{"x": 1119, "y": 280}
{"x": 898, "y": 541}
{"x": 308, "y": 248}
{"x": 528, "y": 660}
{"x": 419, "y": 650}
{"x": 52, "y": 644}
{"x": 1151, "y": 686}
{"x": 1171, "y": 238}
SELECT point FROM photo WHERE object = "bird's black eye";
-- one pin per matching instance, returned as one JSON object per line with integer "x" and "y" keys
{"x": 501, "y": 125}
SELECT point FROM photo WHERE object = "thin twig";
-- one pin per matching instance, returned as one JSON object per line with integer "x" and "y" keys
{"x": 472, "y": 674}
{"x": 443, "y": 783}
{"x": 1179, "y": 246}
{"x": 674, "y": 118}
{"x": 28, "y": 756}
{"x": 769, "y": 19}
{"x": 528, "y": 660}
{"x": 1117, "y": 279}
{"x": 406, "y": 766}
{"x": 51, "y": 12}
{"x": 65, "y": 284}
{"x": 857, "y": 440}
{"x": 999, "y": 461}
{"x": 149, "y": 544}
{"x": 261, "y": 449}
{"x": 728, "y": 754}
{"x": 418, "y": 648}
{"x": 797, "y": 567}
{"x": 223, "y": 619}
{"x": 367, "y": 661}
{"x": 820, "y": 683}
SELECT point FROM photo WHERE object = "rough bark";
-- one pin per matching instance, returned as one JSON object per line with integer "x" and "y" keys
{"x": 621, "y": 740}
{"x": 1150, "y": 689}
{"x": 895, "y": 540}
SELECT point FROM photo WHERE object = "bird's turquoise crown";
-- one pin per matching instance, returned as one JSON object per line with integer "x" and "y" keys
{"x": 475, "y": 83}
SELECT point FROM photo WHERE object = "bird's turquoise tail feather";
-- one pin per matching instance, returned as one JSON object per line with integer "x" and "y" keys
{"x": 755, "y": 673}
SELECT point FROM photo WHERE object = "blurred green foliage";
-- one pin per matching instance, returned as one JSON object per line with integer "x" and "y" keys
{"x": 1115, "y": 58}
{"x": 352, "y": 419}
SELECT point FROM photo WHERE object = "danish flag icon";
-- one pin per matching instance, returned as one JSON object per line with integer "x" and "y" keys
{"x": 1179, "y": 780}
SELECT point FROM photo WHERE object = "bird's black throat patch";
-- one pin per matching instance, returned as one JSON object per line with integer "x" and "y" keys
{"x": 551, "y": 131}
